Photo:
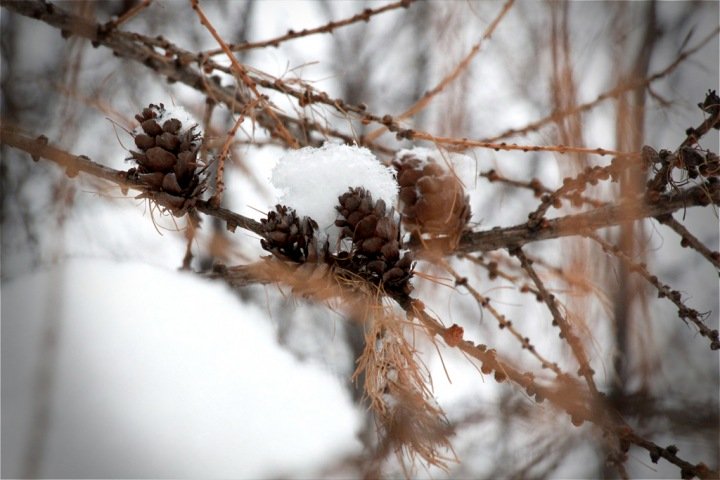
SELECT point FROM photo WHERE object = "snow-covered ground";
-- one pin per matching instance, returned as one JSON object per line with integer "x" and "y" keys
{"x": 160, "y": 374}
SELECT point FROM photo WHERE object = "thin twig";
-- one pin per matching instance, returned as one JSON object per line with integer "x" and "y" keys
{"x": 613, "y": 93}
{"x": 664, "y": 291}
{"x": 690, "y": 240}
{"x": 460, "y": 144}
{"x": 193, "y": 221}
{"x": 207, "y": 116}
{"x": 130, "y": 13}
{"x": 240, "y": 71}
{"x": 560, "y": 321}
{"x": 539, "y": 188}
{"x": 450, "y": 77}
{"x": 364, "y": 16}
{"x": 216, "y": 199}
{"x": 573, "y": 186}
{"x": 503, "y": 322}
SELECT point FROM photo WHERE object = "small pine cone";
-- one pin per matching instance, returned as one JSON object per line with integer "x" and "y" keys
{"x": 432, "y": 200}
{"x": 167, "y": 149}
{"x": 711, "y": 167}
{"x": 711, "y": 105}
{"x": 287, "y": 236}
{"x": 366, "y": 222}
{"x": 375, "y": 238}
{"x": 691, "y": 157}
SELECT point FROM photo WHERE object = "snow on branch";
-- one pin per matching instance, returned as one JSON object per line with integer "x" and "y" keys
{"x": 471, "y": 241}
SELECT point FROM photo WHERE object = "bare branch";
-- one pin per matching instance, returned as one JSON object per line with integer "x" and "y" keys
{"x": 364, "y": 16}
{"x": 450, "y": 77}
{"x": 482, "y": 241}
{"x": 241, "y": 72}
{"x": 74, "y": 164}
{"x": 569, "y": 225}
{"x": 664, "y": 291}
{"x": 613, "y": 93}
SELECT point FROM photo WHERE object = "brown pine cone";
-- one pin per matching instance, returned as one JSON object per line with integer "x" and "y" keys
{"x": 375, "y": 238}
{"x": 167, "y": 156}
{"x": 432, "y": 200}
{"x": 711, "y": 167}
{"x": 287, "y": 236}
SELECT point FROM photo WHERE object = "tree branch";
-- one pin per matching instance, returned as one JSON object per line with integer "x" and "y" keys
{"x": 73, "y": 164}
{"x": 175, "y": 63}
{"x": 483, "y": 241}
{"x": 603, "y": 217}
{"x": 364, "y": 16}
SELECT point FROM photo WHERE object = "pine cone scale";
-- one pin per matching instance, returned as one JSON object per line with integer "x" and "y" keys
{"x": 144, "y": 141}
{"x": 151, "y": 127}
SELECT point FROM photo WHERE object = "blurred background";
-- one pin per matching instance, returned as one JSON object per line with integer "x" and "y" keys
{"x": 115, "y": 364}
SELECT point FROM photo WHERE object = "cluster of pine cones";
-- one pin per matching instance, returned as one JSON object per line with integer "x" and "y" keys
{"x": 368, "y": 225}
{"x": 432, "y": 200}
{"x": 167, "y": 160}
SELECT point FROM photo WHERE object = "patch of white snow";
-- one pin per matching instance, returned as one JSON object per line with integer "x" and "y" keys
{"x": 312, "y": 179}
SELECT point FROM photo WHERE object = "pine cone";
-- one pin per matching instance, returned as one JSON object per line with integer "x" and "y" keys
{"x": 167, "y": 159}
{"x": 432, "y": 200}
{"x": 375, "y": 237}
{"x": 289, "y": 237}
{"x": 711, "y": 167}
